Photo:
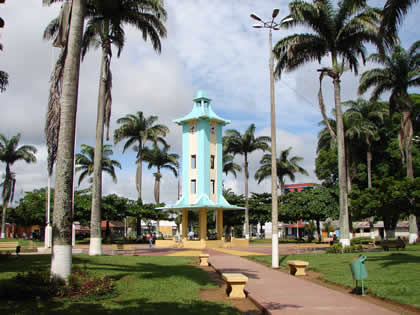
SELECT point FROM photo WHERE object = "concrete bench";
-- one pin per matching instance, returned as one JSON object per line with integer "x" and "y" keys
{"x": 386, "y": 245}
{"x": 204, "y": 259}
{"x": 235, "y": 285}
{"x": 297, "y": 267}
{"x": 8, "y": 246}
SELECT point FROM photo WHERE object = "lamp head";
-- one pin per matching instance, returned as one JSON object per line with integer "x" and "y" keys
{"x": 255, "y": 17}
{"x": 257, "y": 26}
{"x": 275, "y": 13}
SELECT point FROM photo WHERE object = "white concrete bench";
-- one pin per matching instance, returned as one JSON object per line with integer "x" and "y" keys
{"x": 297, "y": 267}
{"x": 235, "y": 285}
{"x": 204, "y": 259}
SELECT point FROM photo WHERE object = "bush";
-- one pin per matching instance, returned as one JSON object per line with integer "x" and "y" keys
{"x": 338, "y": 249}
{"x": 360, "y": 240}
{"x": 40, "y": 284}
{"x": 335, "y": 249}
{"x": 82, "y": 284}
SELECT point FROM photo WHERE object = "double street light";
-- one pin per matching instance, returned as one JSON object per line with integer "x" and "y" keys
{"x": 272, "y": 25}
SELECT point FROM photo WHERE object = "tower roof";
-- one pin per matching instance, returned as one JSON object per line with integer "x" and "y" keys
{"x": 202, "y": 109}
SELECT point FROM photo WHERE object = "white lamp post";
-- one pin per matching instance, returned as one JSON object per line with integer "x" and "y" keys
{"x": 272, "y": 25}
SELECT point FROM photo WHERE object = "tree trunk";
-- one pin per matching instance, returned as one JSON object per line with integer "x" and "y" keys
{"x": 246, "y": 198}
{"x": 157, "y": 197}
{"x": 348, "y": 176}
{"x": 369, "y": 167}
{"x": 61, "y": 259}
{"x": 407, "y": 126}
{"x": 157, "y": 186}
{"x": 138, "y": 227}
{"x": 139, "y": 174}
{"x": 344, "y": 214}
{"x": 107, "y": 230}
{"x": 3, "y": 219}
{"x": 95, "y": 246}
{"x": 318, "y": 230}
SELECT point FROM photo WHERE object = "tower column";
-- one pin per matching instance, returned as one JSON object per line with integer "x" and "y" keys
{"x": 203, "y": 223}
{"x": 219, "y": 224}
{"x": 184, "y": 223}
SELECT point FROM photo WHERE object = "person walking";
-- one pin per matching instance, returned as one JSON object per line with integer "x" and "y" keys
{"x": 150, "y": 240}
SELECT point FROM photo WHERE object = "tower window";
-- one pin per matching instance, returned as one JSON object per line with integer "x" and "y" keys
{"x": 193, "y": 161}
{"x": 212, "y": 186}
{"x": 213, "y": 129}
{"x": 212, "y": 162}
{"x": 193, "y": 186}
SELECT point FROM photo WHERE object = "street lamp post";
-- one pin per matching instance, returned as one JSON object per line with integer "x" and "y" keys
{"x": 272, "y": 25}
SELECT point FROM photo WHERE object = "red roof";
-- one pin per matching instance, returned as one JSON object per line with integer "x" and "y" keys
{"x": 293, "y": 225}
{"x": 112, "y": 224}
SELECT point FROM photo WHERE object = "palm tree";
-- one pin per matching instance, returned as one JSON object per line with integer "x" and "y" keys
{"x": 105, "y": 27}
{"x": 61, "y": 258}
{"x": 9, "y": 154}
{"x": 393, "y": 13}
{"x": 400, "y": 72}
{"x": 355, "y": 131}
{"x": 229, "y": 166}
{"x": 367, "y": 114}
{"x": 285, "y": 167}
{"x": 138, "y": 129}
{"x": 245, "y": 144}
{"x": 161, "y": 159}
{"x": 340, "y": 33}
{"x": 85, "y": 160}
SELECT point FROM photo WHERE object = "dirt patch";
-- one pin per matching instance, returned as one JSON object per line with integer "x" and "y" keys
{"x": 245, "y": 306}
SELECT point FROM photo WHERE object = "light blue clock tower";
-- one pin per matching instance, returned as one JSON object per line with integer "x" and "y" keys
{"x": 202, "y": 168}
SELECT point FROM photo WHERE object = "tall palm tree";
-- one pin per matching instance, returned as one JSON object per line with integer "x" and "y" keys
{"x": 393, "y": 13}
{"x": 339, "y": 32}
{"x": 85, "y": 160}
{"x": 138, "y": 130}
{"x": 355, "y": 131}
{"x": 61, "y": 258}
{"x": 285, "y": 167}
{"x": 161, "y": 159}
{"x": 367, "y": 114}
{"x": 105, "y": 28}
{"x": 244, "y": 144}
{"x": 9, "y": 154}
{"x": 399, "y": 72}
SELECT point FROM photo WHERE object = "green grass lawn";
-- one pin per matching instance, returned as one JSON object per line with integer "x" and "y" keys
{"x": 393, "y": 275}
{"x": 145, "y": 285}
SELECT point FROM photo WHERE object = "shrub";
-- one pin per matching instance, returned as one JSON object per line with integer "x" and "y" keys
{"x": 338, "y": 249}
{"x": 40, "y": 284}
{"x": 335, "y": 249}
{"x": 360, "y": 240}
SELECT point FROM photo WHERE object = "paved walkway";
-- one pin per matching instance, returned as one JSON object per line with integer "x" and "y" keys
{"x": 280, "y": 293}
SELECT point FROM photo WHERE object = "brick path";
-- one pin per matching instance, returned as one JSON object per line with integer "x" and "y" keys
{"x": 280, "y": 293}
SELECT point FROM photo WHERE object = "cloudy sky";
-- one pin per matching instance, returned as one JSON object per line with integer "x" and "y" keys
{"x": 211, "y": 45}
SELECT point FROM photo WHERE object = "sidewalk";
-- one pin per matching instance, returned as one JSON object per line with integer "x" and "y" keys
{"x": 280, "y": 293}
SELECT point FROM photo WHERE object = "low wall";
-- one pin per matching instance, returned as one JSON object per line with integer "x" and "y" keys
{"x": 165, "y": 243}
{"x": 239, "y": 242}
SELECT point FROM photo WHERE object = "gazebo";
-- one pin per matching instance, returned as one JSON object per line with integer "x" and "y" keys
{"x": 202, "y": 169}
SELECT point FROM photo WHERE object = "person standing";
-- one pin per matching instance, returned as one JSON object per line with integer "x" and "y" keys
{"x": 150, "y": 240}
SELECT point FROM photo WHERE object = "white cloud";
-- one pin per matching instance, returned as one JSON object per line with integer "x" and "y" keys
{"x": 211, "y": 45}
